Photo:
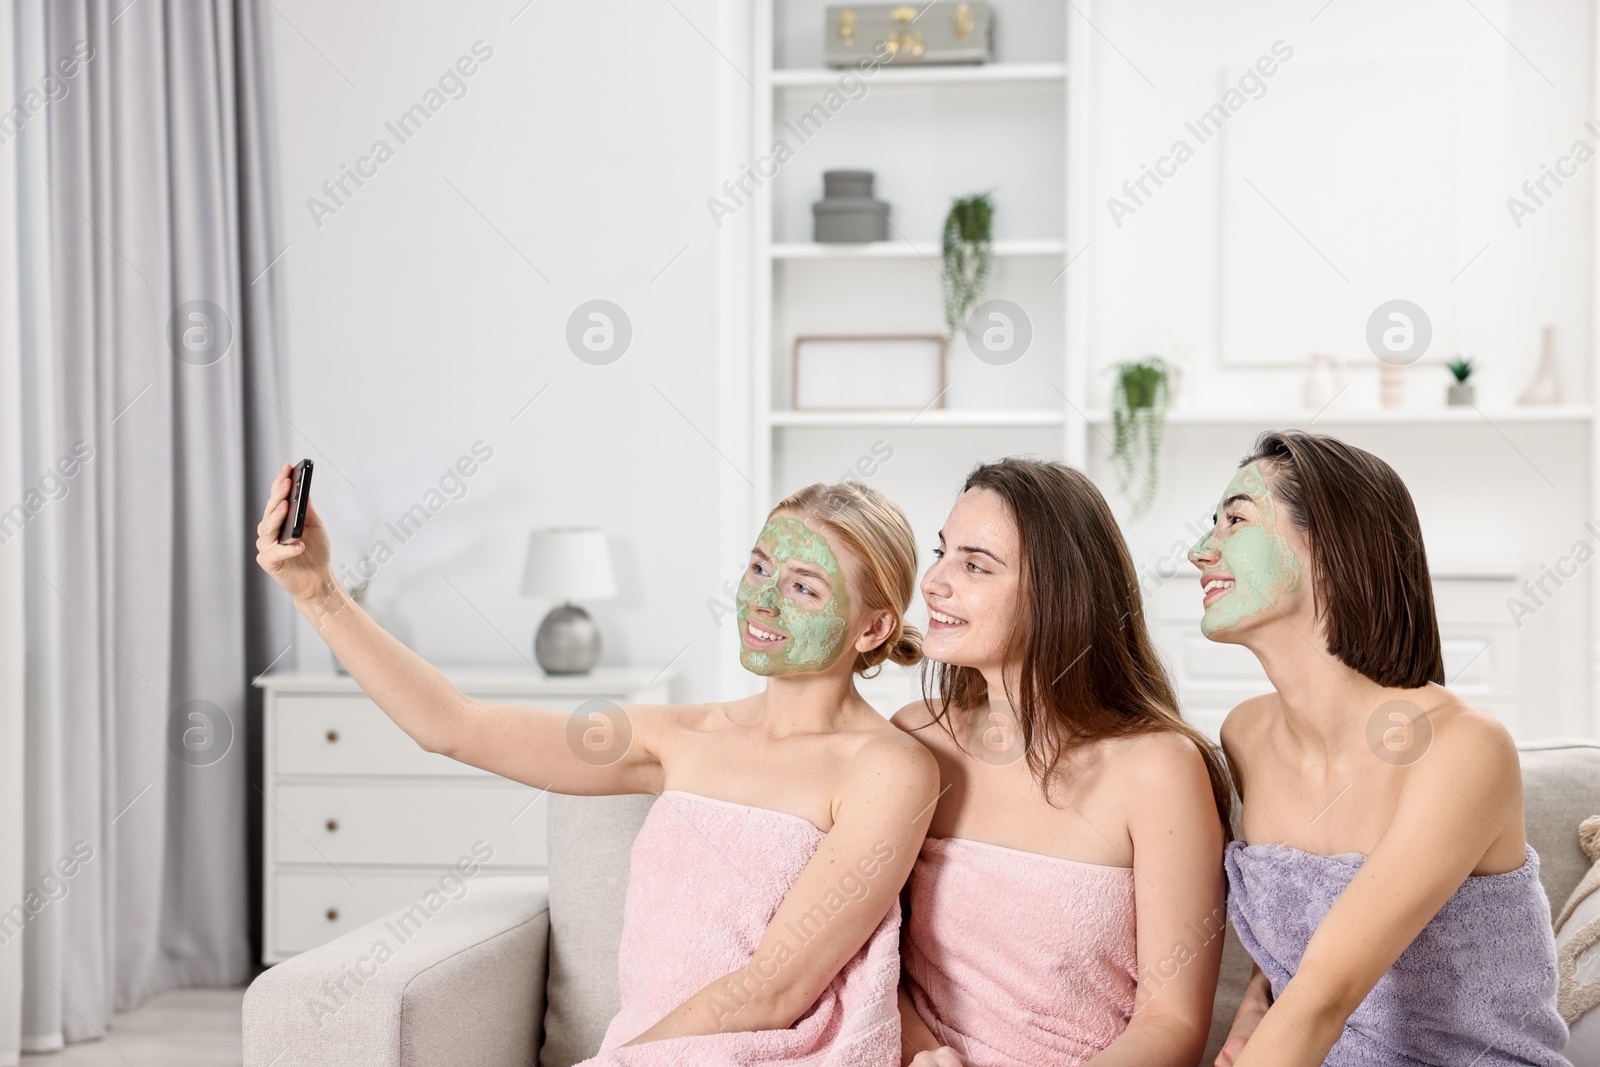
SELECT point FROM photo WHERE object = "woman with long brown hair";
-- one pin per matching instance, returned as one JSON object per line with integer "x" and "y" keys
{"x": 1067, "y": 904}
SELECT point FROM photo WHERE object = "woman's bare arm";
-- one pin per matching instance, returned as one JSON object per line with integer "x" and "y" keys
{"x": 1252, "y": 1008}
{"x": 1178, "y": 894}
{"x": 526, "y": 744}
{"x": 881, "y": 818}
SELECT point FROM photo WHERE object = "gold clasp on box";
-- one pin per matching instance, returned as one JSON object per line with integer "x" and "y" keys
{"x": 847, "y": 26}
{"x": 904, "y": 41}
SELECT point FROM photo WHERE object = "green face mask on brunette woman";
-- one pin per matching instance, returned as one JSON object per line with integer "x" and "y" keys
{"x": 1251, "y": 550}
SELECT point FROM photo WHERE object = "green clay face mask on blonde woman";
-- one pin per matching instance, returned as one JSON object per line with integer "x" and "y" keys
{"x": 811, "y": 620}
{"x": 1263, "y": 565}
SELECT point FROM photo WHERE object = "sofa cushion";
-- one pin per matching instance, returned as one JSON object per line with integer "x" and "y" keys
{"x": 591, "y": 839}
{"x": 1560, "y": 789}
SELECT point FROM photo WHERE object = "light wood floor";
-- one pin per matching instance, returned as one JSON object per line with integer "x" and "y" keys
{"x": 183, "y": 1028}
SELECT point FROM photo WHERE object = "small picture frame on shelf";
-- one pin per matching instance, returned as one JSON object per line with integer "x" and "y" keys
{"x": 869, "y": 372}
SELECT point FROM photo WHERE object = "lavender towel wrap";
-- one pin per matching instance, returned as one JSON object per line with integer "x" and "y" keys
{"x": 1476, "y": 986}
{"x": 707, "y": 877}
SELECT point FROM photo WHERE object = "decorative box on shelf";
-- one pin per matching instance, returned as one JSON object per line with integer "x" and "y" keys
{"x": 943, "y": 31}
{"x": 359, "y": 820}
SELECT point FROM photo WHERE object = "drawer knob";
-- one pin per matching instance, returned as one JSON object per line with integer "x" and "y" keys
{"x": 333, "y": 824}
{"x": 333, "y": 915}
{"x": 333, "y": 735}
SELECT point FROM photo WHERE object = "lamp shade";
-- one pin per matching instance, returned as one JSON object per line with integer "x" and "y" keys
{"x": 569, "y": 564}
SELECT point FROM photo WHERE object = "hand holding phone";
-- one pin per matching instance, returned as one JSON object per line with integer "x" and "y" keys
{"x": 291, "y": 542}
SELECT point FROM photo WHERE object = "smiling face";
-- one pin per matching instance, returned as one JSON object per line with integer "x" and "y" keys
{"x": 794, "y": 604}
{"x": 1252, "y": 562}
{"x": 974, "y": 586}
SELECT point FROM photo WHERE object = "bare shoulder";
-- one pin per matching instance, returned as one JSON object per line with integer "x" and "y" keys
{"x": 1466, "y": 741}
{"x": 1243, "y": 729}
{"x": 1160, "y": 763}
{"x": 914, "y": 716}
{"x": 658, "y": 726}
{"x": 1165, "y": 785}
{"x": 1246, "y": 715}
{"x": 667, "y": 718}
{"x": 891, "y": 762}
{"x": 894, "y": 751}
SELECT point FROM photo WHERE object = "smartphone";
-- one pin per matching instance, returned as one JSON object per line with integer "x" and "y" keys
{"x": 294, "y": 523}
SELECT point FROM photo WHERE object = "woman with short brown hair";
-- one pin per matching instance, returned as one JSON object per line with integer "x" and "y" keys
{"x": 1384, "y": 885}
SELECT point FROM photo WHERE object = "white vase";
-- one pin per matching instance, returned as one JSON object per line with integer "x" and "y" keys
{"x": 1323, "y": 381}
{"x": 1178, "y": 376}
{"x": 1391, "y": 386}
{"x": 1546, "y": 385}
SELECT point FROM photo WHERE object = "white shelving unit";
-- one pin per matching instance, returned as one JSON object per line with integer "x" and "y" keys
{"x": 1015, "y": 127}
{"x": 931, "y": 75}
{"x": 1562, "y": 413}
{"x": 1020, "y": 128}
{"x": 904, "y": 250}
{"x": 1016, "y": 417}
{"x": 802, "y": 287}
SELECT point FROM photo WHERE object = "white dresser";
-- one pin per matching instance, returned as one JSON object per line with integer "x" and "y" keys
{"x": 359, "y": 820}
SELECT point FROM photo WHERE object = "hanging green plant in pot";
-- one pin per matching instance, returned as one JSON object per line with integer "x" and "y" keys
{"x": 1138, "y": 418}
{"x": 968, "y": 254}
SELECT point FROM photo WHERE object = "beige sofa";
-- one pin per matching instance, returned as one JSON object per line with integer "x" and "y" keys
{"x": 523, "y": 971}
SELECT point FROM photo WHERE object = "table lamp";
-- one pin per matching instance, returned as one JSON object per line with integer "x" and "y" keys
{"x": 567, "y": 565}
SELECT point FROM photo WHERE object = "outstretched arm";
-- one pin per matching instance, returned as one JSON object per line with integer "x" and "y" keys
{"x": 879, "y": 822}
{"x": 526, "y": 744}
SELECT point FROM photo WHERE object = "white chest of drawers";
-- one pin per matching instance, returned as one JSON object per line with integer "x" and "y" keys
{"x": 359, "y": 820}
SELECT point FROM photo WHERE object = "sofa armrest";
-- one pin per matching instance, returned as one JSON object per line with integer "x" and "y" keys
{"x": 461, "y": 983}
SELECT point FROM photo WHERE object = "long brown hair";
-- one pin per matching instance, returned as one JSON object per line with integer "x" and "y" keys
{"x": 1368, "y": 567}
{"x": 1089, "y": 668}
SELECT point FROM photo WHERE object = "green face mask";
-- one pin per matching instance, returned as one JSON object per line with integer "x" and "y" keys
{"x": 814, "y": 631}
{"x": 1263, "y": 566}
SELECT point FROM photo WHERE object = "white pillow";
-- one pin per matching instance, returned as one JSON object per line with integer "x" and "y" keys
{"x": 1578, "y": 956}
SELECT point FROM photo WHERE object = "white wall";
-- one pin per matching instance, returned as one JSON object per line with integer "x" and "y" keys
{"x": 590, "y": 140}
{"x": 1154, "y": 277}
{"x": 1500, "y": 497}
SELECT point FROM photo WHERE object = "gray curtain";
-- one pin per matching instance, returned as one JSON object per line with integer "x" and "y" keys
{"x": 154, "y": 378}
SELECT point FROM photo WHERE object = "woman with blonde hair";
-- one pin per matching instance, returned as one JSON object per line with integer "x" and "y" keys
{"x": 762, "y": 917}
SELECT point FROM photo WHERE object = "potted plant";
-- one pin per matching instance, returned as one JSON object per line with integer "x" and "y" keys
{"x": 968, "y": 255}
{"x": 1138, "y": 417}
{"x": 1461, "y": 391}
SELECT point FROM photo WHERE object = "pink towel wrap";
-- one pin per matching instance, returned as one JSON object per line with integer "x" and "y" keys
{"x": 707, "y": 878}
{"x": 1017, "y": 959}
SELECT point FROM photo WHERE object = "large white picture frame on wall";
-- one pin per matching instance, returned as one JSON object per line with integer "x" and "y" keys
{"x": 1300, "y": 272}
